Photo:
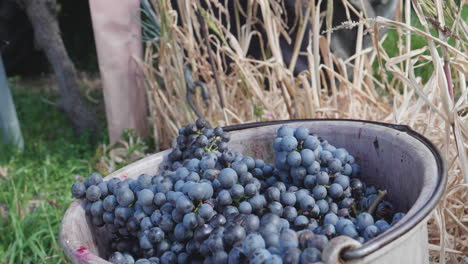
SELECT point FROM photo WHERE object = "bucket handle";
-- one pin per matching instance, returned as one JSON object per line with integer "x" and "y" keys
{"x": 332, "y": 252}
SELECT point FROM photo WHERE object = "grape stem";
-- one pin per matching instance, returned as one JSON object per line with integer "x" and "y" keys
{"x": 353, "y": 208}
{"x": 376, "y": 202}
{"x": 213, "y": 143}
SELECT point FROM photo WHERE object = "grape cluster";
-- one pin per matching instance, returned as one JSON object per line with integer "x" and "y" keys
{"x": 195, "y": 140}
{"x": 211, "y": 205}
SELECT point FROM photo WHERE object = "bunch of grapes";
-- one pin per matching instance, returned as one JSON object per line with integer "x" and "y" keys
{"x": 211, "y": 205}
{"x": 195, "y": 140}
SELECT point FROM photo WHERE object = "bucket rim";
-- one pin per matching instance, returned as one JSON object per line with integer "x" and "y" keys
{"x": 416, "y": 219}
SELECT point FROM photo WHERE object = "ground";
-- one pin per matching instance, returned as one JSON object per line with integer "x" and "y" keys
{"x": 35, "y": 184}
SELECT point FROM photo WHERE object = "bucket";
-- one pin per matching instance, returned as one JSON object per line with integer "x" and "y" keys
{"x": 393, "y": 157}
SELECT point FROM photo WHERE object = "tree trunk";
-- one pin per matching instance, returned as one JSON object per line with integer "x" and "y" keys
{"x": 42, "y": 15}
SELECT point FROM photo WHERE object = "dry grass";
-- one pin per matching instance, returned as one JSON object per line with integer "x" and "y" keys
{"x": 391, "y": 91}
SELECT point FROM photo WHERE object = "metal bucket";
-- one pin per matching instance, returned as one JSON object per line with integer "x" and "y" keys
{"x": 393, "y": 157}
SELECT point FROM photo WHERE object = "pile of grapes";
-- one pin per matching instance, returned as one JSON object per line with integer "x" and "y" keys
{"x": 211, "y": 205}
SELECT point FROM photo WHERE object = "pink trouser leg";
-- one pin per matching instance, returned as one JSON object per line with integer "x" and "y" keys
{"x": 118, "y": 40}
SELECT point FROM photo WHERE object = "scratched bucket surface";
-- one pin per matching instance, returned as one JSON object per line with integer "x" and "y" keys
{"x": 393, "y": 157}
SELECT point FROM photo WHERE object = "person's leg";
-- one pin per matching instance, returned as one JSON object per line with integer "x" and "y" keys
{"x": 10, "y": 132}
{"x": 117, "y": 33}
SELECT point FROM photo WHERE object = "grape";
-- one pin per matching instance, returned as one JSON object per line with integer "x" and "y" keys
{"x": 202, "y": 232}
{"x": 144, "y": 181}
{"x": 276, "y": 208}
{"x": 234, "y": 234}
{"x": 168, "y": 257}
{"x": 289, "y": 143}
{"x": 330, "y": 218}
{"x": 237, "y": 256}
{"x": 325, "y": 156}
{"x": 251, "y": 242}
{"x": 307, "y": 203}
{"x": 356, "y": 170}
{"x": 159, "y": 199}
{"x": 180, "y": 232}
{"x": 320, "y": 192}
{"x": 251, "y": 223}
{"x": 257, "y": 173}
{"x": 259, "y": 256}
{"x": 311, "y": 143}
{"x": 310, "y": 255}
{"x": 307, "y": 157}
{"x": 382, "y": 225}
{"x": 117, "y": 258}
{"x": 301, "y": 133}
{"x": 323, "y": 206}
{"x": 78, "y": 190}
{"x": 285, "y": 131}
{"x": 342, "y": 180}
{"x": 224, "y": 198}
{"x": 318, "y": 241}
{"x": 227, "y": 177}
{"x": 190, "y": 221}
{"x": 274, "y": 259}
{"x": 290, "y": 213}
{"x": 397, "y": 217}
{"x": 298, "y": 173}
{"x": 323, "y": 178}
{"x": 104, "y": 190}
{"x": 145, "y": 197}
{"x": 341, "y": 154}
{"x": 112, "y": 185}
{"x": 146, "y": 223}
{"x": 205, "y": 211}
{"x": 156, "y": 235}
{"x": 250, "y": 162}
{"x": 273, "y": 194}
{"x": 166, "y": 223}
{"x": 250, "y": 190}
{"x": 328, "y": 230}
{"x": 218, "y": 221}
{"x": 335, "y": 191}
{"x": 97, "y": 208}
{"x": 184, "y": 204}
{"x": 239, "y": 167}
{"x": 294, "y": 159}
{"x": 94, "y": 179}
{"x": 370, "y": 232}
{"x": 288, "y": 198}
{"x": 314, "y": 168}
{"x": 301, "y": 222}
{"x": 144, "y": 242}
{"x": 108, "y": 217}
{"x": 364, "y": 220}
{"x": 347, "y": 169}
{"x": 125, "y": 196}
{"x": 207, "y": 190}
{"x": 93, "y": 193}
{"x": 245, "y": 208}
{"x": 196, "y": 191}
{"x": 257, "y": 202}
{"x": 335, "y": 165}
{"x": 291, "y": 255}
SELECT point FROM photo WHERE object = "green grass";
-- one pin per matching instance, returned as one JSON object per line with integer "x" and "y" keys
{"x": 40, "y": 176}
